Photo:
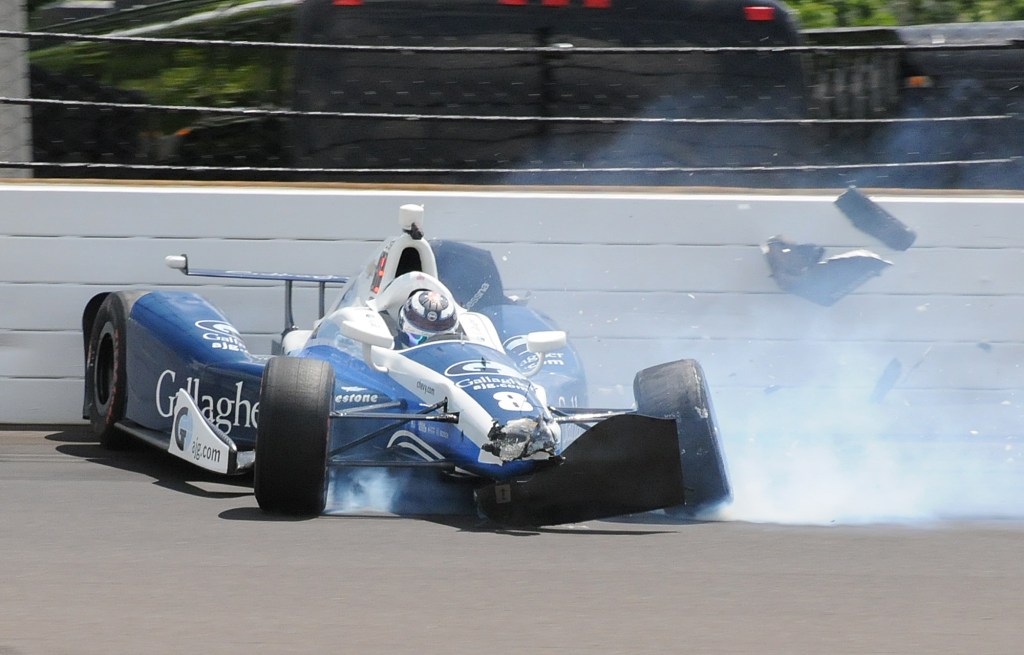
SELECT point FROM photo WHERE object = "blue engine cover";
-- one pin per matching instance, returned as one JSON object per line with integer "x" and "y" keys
{"x": 178, "y": 340}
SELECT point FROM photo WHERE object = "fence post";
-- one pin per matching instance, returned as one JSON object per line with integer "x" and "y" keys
{"x": 15, "y": 125}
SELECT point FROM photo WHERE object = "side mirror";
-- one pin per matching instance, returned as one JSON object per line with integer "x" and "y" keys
{"x": 367, "y": 334}
{"x": 365, "y": 326}
{"x": 177, "y": 262}
{"x": 543, "y": 343}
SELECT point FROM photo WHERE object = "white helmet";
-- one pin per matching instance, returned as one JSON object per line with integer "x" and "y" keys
{"x": 426, "y": 313}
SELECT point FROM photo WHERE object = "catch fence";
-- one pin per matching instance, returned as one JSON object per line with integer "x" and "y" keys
{"x": 127, "y": 104}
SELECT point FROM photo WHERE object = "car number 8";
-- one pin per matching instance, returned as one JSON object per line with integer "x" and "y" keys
{"x": 512, "y": 401}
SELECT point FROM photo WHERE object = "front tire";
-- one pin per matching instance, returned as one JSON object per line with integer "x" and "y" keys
{"x": 106, "y": 380}
{"x": 290, "y": 472}
{"x": 678, "y": 390}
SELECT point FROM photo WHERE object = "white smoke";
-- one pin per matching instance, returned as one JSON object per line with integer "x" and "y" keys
{"x": 362, "y": 490}
{"x": 878, "y": 445}
{"x": 871, "y": 479}
{"x": 852, "y": 453}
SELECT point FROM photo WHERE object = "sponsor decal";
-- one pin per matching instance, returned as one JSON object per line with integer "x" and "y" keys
{"x": 486, "y": 382}
{"x": 526, "y": 360}
{"x": 516, "y": 346}
{"x": 358, "y": 395}
{"x": 364, "y": 398}
{"x": 425, "y": 388}
{"x": 480, "y": 367}
{"x": 182, "y": 428}
{"x": 570, "y": 401}
{"x": 221, "y": 335}
{"x": 193, "y": 440}
{"x": 431, "y": 429}
{"x": 477, "y": 296}
{"x": 223, "y": 412}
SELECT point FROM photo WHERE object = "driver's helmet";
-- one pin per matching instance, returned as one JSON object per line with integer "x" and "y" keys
{"x": 425, "y": 314}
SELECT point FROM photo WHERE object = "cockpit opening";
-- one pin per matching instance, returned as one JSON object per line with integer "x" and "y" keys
{"x": 409, "y": 262}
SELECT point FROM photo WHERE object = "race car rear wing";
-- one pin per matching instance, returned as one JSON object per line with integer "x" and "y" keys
{"x": 180, "y": 262}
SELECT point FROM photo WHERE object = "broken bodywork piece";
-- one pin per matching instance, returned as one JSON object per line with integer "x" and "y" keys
{"x": 798, "y": 268}
{"x": 523, "y": 438}
{"x": 868, "y": 217}
{"x": 890, "y": 376}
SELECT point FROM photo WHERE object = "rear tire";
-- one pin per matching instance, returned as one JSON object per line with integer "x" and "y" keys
{"x": 106, "y": 381}
{"x": 678, "y": 390}
{"x": 290, "y": 472}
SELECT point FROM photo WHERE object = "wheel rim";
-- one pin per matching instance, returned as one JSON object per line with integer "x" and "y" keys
{"x": 103, "y": 379}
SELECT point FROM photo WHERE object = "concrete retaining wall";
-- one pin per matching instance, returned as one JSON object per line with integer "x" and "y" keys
{"x": 929, "y": 348}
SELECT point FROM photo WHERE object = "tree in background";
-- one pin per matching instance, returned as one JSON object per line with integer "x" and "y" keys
{"x": 863, "y": 13}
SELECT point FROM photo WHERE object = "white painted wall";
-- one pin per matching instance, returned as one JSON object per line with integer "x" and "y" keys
{"x": 636, "y": 279}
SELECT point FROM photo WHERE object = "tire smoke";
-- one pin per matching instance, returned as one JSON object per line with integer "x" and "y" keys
{"x": 867, "y": 477}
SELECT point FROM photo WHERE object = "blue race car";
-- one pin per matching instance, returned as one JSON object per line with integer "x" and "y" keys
{"x": 423, "y": 373}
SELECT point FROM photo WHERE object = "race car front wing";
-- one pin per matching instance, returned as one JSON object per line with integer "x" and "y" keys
{"x": 625, "y": 464}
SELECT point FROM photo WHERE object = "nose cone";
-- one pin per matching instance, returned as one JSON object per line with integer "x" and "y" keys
{"x": 524, "y": 438}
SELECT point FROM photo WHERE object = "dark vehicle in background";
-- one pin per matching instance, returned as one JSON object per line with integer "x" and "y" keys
{"x": 549, "y": 100}
{"x": 522, "y": 91}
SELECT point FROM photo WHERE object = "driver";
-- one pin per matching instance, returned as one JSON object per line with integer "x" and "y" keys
{"x": 425, "y": 314}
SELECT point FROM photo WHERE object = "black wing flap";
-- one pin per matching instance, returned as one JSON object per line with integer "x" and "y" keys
{"x": 624, "y": 465}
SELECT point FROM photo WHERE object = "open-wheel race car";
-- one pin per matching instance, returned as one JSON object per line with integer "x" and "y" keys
{"x": 422, "y": 374}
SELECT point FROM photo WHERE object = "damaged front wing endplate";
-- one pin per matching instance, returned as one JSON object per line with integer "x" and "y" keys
{"x": 623, "y": 465}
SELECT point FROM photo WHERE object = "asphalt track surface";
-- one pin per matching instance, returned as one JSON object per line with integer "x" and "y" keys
{"x": 135, "y": 552}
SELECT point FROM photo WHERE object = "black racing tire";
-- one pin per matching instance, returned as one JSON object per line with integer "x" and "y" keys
{"x": 290, "y": 472}
{"x": 106, "y": 379}
{"x": 678, "y": 390}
